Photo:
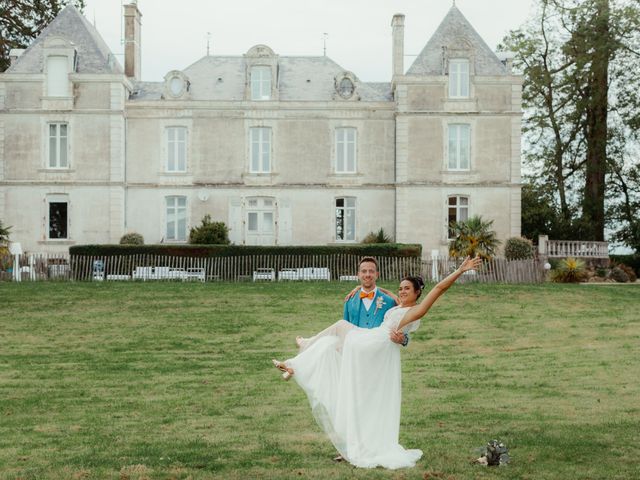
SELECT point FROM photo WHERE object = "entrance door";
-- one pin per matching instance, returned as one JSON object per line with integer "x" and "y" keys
{"x": 260, "y": 222}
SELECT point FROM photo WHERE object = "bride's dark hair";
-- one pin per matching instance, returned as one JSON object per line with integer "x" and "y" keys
{"x": 417, "y": 282}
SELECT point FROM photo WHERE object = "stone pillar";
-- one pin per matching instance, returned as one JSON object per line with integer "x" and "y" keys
{"x": 132, "y": 27}
{"x": 397, "y": 25}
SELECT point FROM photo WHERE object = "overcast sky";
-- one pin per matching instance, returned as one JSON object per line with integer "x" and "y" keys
{"x": 174, "y": 33}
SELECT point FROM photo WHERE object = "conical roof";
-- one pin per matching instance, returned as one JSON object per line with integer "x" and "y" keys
{"x": 455, "y": 32}
{"x": 94, "y": 55}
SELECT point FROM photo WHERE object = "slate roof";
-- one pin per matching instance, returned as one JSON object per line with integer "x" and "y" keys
{"x": 453, "y": 28}
{"x": 299, "y": 79}
{"x": 94, "y": 55}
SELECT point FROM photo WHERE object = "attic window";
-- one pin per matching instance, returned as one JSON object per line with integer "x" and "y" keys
{"x": 176, "y": 84}
{"x": 57, "y": 76}
{"x": 459, "y": 78}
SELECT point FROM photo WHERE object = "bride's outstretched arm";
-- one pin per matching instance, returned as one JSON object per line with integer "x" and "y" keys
{"x": 423, "y": 307}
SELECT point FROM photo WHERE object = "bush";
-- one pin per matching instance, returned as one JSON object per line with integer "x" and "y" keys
{"x": 379, "y": 237}
{"x": 518, "y": 248}
{"x": 629, "y": 271}
{"x": 570, "y": 270}
{"x": 132, "y": 238}
{"x": 209, "y": 233}
{"x": 632, "y": 261}
{"x": 619, "y": 275}
{"x": 601, "y": 272}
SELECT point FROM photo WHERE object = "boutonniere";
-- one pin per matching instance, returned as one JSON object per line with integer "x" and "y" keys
{"x": 379, "y": 303}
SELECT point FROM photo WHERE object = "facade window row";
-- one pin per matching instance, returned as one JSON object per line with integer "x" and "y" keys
{"x": 260, "y": 218}
{"x": 260, "y": 148}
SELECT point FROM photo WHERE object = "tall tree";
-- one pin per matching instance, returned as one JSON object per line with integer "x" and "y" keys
{"x": 569, "y": 54}
{"x": 22, "y": 20}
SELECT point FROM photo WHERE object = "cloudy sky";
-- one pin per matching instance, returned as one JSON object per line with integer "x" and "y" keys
{"x": 174, "y": 33}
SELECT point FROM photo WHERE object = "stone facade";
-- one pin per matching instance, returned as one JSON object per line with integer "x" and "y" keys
{"x": 285, "y": 150}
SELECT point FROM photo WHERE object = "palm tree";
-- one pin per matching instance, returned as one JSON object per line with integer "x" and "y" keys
{"x": 4, "y": 239}
{"x": 473, "y": 236}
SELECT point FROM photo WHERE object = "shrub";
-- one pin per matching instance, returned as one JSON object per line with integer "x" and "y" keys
{"x": 132, "y": 238}
{"x": 631, "y": 260}
{"x": 209, "y": 233}
{"x": 629, "y": 271}
{"x": 570, "y": 270}
{"x": 619, "y": 275}
{"x": 601, "y": 272}
{"x": 379, "y": 237}
{"x": 518, "y": 248}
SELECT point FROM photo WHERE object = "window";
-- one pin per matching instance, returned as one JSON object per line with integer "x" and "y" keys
{"x": 260, "y": 83}
{"x": 459, "y": 141}
{"x": 345, "y": 150}
{"x": 58, "y": 219}
{"x": 260, "y": 221}
{"x": 346, "y": 219}
{"x": 176, "y": 149}
{"x": 459, "y": 78}
{"x": 260, "y": 151}
{"x": 176, "y": 219}
{"x": 57, "y": 76}
{"x": 458, "y": 211}
{"x": 58, "y": 145}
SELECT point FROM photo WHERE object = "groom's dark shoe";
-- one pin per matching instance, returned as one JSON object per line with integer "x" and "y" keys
{"x": 338, "y": 458}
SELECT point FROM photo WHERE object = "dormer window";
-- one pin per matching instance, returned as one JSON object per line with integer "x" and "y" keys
{"x": 459, "y": 78}
{"x": 59, "y": 60}
{"x": 345, "y": 85}
{"x": 176, "y": 85}
{"x": 346, "y": 88}
{"x": 260, "y": 83}
{"x": 57, "y": 76}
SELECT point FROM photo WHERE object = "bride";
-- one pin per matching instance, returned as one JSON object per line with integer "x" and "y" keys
{"x": 351, "y": 376}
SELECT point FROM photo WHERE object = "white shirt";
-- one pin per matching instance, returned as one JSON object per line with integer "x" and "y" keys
{"x": 368, "y": 301}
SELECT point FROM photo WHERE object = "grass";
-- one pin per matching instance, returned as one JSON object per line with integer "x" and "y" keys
{"x": 173, "y": 381}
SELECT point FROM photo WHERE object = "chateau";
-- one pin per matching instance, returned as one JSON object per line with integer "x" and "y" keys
{"x": 283, "y": 149}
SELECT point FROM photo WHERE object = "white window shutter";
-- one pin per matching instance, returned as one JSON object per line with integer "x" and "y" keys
{"x": 57, "y": 76}
{"x": 285, "y": 230}
{"x": 236, "y": 230}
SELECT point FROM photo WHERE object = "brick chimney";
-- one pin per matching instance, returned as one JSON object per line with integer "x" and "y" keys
{"x": 397, "y": 25}
{"x": 132, "y": 55}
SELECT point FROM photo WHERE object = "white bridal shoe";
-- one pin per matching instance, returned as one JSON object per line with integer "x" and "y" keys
{"x": 287, "y": 372}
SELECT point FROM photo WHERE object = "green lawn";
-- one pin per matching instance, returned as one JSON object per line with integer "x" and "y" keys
{"x": 174, "y": 380}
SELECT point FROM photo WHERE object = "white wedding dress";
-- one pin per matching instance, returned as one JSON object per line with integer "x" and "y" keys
{"x": 351, "y": 376}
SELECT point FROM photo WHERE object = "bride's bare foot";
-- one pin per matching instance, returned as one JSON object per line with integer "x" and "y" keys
{"x": 301, "y": 342}
{"x": 287, "y": 372}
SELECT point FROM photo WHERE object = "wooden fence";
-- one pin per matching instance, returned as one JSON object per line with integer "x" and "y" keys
{"x": 336, "y": 267}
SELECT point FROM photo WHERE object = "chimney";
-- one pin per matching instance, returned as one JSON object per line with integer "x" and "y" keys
{"x": 397, "y": 25}
{"x": 132, "y": 56}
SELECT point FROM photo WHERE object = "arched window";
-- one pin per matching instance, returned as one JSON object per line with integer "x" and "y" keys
{"x": 457, "y": 211}
{"x": 346, "y": 219}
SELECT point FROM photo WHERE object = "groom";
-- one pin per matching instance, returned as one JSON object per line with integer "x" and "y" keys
{"x": 367, "y": 307}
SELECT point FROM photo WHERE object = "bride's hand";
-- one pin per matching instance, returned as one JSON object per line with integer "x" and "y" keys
{"x": 471, "y": 263}
{"x": 351, "y": 294}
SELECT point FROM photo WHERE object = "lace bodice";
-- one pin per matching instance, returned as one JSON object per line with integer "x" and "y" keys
{"x": 393, "y": 317}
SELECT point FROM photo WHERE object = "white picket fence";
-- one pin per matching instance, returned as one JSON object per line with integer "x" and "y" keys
{"x": 265, "y": 268}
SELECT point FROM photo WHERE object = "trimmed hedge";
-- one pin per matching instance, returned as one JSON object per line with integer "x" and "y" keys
{"x": 206, "y": 251}
{"x": 632, "y": 261}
